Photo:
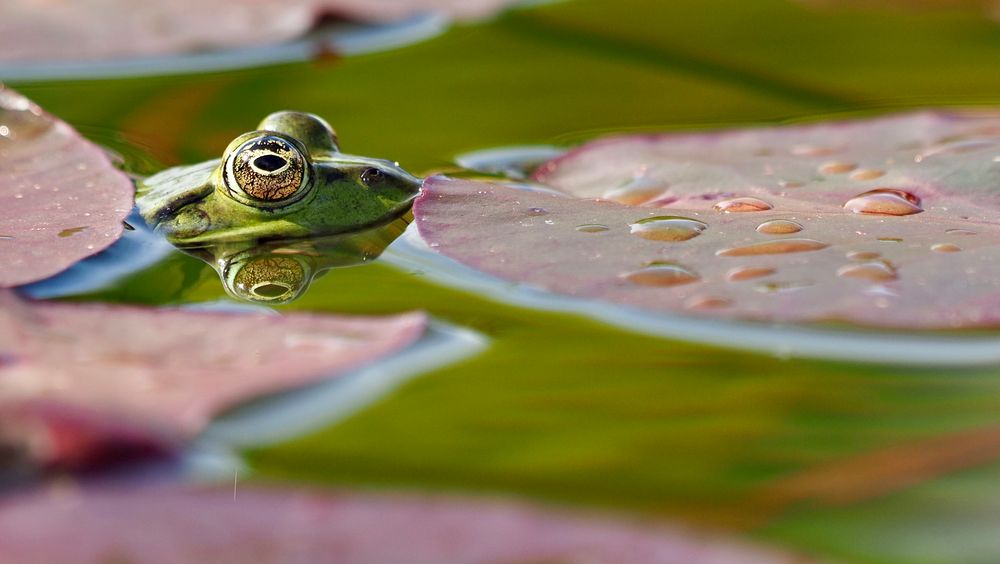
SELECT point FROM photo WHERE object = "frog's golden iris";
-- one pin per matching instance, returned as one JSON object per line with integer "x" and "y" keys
{"x": 268, "y": 169}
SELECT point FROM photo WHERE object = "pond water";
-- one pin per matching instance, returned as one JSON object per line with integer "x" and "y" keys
{"x": 774, "y": 434}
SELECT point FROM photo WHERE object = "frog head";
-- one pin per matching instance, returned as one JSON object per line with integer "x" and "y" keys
{"x": 286, "y": 179}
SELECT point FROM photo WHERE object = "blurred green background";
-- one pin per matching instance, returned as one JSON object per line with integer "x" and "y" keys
{"x": 867, "y": 463}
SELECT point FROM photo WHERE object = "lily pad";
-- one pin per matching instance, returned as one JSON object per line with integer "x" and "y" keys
{"x": 110, "y": 29}
{"x": 168, "y": 371}
{"x": 891, "y": 223}
{"x": 255, "y": 525}
{"x": 61, "y": 200}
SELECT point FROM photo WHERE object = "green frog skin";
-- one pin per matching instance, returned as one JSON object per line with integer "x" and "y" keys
{"x": 287, "y": 179}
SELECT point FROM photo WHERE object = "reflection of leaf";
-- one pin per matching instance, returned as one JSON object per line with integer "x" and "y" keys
{"x": 255, "y": 525}
{"x": 952, "y": 519}
{"x": 60, "y": 198}
{"x": 102, "y": 29}
{"x": 174, "y": 369}
{"x": 886, "y": 222}
{"x": 869, "y": 475}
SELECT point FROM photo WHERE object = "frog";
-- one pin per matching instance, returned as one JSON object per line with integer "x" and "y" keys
{"x": 286, "y": 179}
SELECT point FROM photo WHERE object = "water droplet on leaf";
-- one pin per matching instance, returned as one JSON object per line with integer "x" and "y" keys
{"x": 742, "y": 273}
{"x": 945, "y": 248}
{"x": 662, "y": 274}
{"x": 874, "y": 271}
{"x": 836, "y": 168}
{"x": 739, "y": 205}
{"x": 777, "y": 247}
{"x": 779, "y": 227}
{"x": 863, "y": 255}
{"x": 885, "y": 201}
{"x": 668, "y": 228}
{"x": 866, "y": 174}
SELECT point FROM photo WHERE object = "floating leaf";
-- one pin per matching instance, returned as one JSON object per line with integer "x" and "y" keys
{"x": 947, "y": 161}
{"x": 107, "y": 29}
{"x": 171, "y": 370}
{"x": 253, "y": 525}
{"x": 61, "y": 200}
{"x": 888, "y": 222}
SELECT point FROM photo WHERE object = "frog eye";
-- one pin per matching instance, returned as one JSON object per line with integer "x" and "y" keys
{"x": 267, "y": 169}
{"x": 371, "y": 175}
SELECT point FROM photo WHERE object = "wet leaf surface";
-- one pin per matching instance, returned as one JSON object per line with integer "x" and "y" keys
{"x": 259, "y": 525}
{"x": 61, "y": 200}
{"x": 164, "y": 371}
{"x": 103, "y": 29}
{"x": 889, "y": 222}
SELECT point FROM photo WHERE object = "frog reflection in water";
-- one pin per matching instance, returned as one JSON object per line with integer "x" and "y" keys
{"x": 286, "y": 180}
{"x": 279, "y": 271}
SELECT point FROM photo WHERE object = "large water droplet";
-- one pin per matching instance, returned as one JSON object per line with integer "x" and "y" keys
{"x": 777, "y": 247}
{"x": 662, "y": 274}
{"x": 742, "y": 273}
{"x": 959, "y": 232}
{"x": 874, "y": 271}
{"x": 885, "y": 201}
{"x": 745, "y": 204}
{"x": 945, "y": 248}
{"x": 779, "y": 227}
{"x": 537, "y": 211}
{"x": 668, "y": 228}
{"x": 591, "y": 228}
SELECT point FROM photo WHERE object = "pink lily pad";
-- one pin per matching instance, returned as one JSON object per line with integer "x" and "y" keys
{"x": 166, "y": 372}
{"x": 61, "y": 200}
{"x": 890, "y": 222}
{"x": 108, "y": 29}
{"x": 253, "y": 525}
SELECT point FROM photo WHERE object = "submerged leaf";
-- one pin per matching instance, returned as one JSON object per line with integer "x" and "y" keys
{"x": 254, "y": 525}
{"x": 61, "y": 200}
{"x": 106, "y": 29}
{"x": 891, "y": 222}
{"x": 169, "y": 370}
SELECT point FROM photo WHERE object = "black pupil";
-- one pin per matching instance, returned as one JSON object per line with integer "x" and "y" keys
{"x": 269, "y": 163}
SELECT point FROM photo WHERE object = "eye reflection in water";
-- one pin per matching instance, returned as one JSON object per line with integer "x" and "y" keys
{"x": 280, "y": 271}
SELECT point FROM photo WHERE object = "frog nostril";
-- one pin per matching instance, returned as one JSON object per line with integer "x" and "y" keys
{"x": 269, "y": 163}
